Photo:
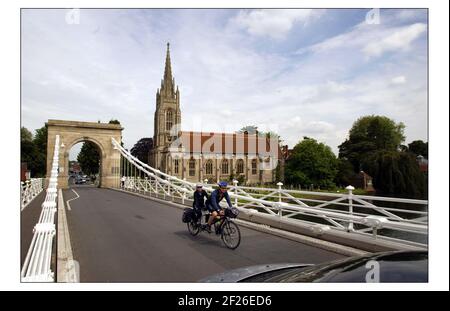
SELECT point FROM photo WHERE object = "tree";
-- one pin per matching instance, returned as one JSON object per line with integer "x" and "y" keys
{"x": 418, "y": 147}
{"x": 371, "y": 134}
{"x": 396, "y": 174}
{"x": 142, "y": 148}
{"x": 250, "y": 129}
{"x": 28, "y": 150}
{"x": 311, "y": 163}
{"x": 114, "y": 121}
{"x": 344, "y": 172}
{"x": 89, "y": 158}
{"x": 25, "y": 134}
{"x": 40, "y": 141}
{"x": 33, "y": 150}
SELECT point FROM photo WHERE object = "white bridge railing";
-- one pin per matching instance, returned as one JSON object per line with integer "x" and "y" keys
{"x": 396, "y": 219}
{"x": 29, "y": 190}
{"x": 37, "y": 264}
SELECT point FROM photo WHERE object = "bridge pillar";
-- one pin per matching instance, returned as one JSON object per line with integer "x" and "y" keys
{"x": 73, "y": 132}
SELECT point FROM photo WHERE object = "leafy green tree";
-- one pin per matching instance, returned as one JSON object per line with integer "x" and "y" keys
{"x": 25, "y": 134}
{"x": 250, "y": 129}
{"x": 114, "y": 121}
{"x": 28, "y": 154}
{"x": 344, "y": 172}
{"x": 370, "y": 134}
{"x": 396, "y": 174}
{"x": 142, "y": 148}
{"x": 311, "y": 163}
{"x": 40, "y": 141}
{"x": 89, "y": 158}
{"x": 418, "y": 147}
{"x": 33, "y": 150}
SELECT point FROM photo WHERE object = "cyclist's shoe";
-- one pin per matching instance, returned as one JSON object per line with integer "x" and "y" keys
{"x": 207, "y": 228}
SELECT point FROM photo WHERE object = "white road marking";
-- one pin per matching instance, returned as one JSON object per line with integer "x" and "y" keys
{"x": 67, "y": 202}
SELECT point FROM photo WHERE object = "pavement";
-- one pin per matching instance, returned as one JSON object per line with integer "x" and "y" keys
{"x": 28, "y": 219}
{"x": 119, "y": 237}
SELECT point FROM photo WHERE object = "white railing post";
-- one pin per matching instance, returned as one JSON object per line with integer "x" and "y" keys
{"x": 37, "y": 264}
{"x": 279, "y": 184}
{"x": 235, "y": 183}
{"x": 350, "y": 206}
{"x": 168, "y": 188}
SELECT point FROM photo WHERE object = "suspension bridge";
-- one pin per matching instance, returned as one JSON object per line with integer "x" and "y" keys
{"x": 130, "y": 229}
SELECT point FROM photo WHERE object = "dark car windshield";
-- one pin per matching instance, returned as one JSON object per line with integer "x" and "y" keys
{"x": 392, "y": 267}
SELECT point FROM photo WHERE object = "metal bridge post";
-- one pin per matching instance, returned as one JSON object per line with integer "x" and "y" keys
{"x": 279, "y": 184}
{"x": 350, "y": 206}
{"x": 235, "y": 183}
{"x": 168, "y": 189}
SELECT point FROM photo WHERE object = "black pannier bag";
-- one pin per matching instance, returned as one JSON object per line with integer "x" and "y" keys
{"x": 231, "y": 212}
{"x": 188, "y": 215}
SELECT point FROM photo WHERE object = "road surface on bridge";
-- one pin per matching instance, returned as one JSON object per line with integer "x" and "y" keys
{"x": 119, "y": 237}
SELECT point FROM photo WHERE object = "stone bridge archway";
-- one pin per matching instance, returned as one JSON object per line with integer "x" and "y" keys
{"x": 73, "y": 132}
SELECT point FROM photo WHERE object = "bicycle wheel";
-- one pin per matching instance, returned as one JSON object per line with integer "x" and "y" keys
{"x": 231, "y": 235}
{"x": 193, "y": 228}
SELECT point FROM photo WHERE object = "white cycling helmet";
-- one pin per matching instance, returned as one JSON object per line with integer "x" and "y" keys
{"x": 198, "y": 186}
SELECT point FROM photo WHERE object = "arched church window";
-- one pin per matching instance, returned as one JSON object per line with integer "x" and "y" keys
{"x": 176, "y": 164}
{"x": 225, "y": 166}
{"x": 240, "y": 166}
{"x": 169, "y": 119}
{"x": 254, "y": 165}
{"x": 191, "y": 167}
{"x": 209, "y": 167}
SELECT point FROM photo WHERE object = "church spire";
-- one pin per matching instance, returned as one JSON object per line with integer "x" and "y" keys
{"x": 168, "y": 70}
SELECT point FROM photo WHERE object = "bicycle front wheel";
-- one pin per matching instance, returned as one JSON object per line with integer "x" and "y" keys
{"x": 231, "y": 235}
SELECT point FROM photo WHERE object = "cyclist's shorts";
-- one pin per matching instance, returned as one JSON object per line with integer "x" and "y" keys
{"x": 211, "y": 208}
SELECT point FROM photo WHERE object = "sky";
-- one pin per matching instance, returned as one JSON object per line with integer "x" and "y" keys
{"x": 298, "y": 72}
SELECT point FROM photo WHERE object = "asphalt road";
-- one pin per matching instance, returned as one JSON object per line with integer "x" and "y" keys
{"x": 119, "y": 237}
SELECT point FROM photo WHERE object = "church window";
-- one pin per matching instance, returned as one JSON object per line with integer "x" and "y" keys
{"x": 240, "y": 166}
{"x": 176, "y": 165}
{"x": 209, "y": 167}
{"x": 225, "y": 166}
{"x": 191, "y": 167}
{"x": 254, "y": 164}
{"x": 169, "y": 120}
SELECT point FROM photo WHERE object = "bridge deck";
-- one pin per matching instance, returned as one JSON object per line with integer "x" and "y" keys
{"x": 118, "y": 237}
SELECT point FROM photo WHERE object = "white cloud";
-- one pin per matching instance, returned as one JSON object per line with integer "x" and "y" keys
{"x": 400, "y": 39}
{"x": 398, "y": 80}
{"x": 275, "y": 23}
{"x": 372, "y": 40}
{"x": 226, "y": 80}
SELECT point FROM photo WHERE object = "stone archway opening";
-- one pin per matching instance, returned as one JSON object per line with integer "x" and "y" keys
{"x": 99, "y": 134}
{"x": 84, "y": 164}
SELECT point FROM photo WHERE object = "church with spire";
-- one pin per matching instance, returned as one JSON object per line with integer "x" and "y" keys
{"x": 200, "y": 156}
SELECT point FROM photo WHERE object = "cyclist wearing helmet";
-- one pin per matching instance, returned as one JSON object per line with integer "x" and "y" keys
{"x": 213, "y": 202}
{"x": 199, "y": 200}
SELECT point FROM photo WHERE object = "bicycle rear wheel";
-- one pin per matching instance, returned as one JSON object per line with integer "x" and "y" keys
{"x": 193, "y": 228}
{"x": 231, "y": 235}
